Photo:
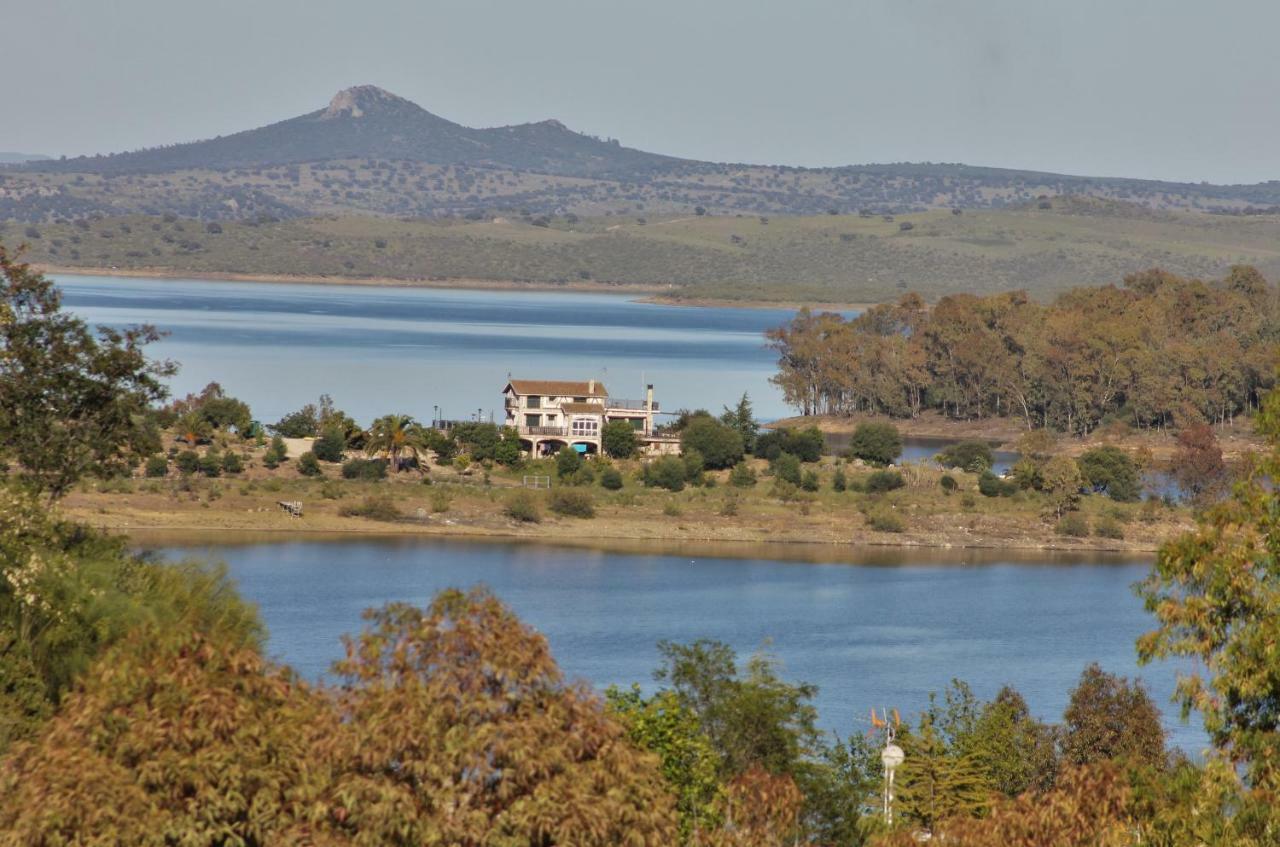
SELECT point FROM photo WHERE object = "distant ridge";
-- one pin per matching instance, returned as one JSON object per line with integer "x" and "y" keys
{"x": 18, "y": 158}
{"x": 371, "y": 152}
{"x": 369, "y": 122}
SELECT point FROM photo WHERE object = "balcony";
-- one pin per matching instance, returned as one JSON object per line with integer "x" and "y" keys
{"x": 555, "y": 431}
{"x": 620, "y": 403}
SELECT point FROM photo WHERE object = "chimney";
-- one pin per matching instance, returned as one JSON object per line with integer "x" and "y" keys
{"x": 648, "y": 397}
{"x": 591, "y": 387}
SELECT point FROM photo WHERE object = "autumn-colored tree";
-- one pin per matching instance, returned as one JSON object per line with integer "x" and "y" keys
{"x": 758, "y": 809}
{"x": 1110, "y": 718}
{"x": 1215, "y": 594}
{"x": 1197, "y": 464}
{"x": 457, "y": 728}
{"x": 1061, "y": 482}
{"x": 1088, "y": 807}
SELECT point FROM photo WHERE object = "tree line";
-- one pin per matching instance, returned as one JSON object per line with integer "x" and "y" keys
{"x": 1158, "y": 351}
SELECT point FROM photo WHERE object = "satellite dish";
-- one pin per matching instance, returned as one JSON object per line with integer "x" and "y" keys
{"x": 892, "y": 756}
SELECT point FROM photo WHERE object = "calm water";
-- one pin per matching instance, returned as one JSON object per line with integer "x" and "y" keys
{"x": 883, "y": 632}
{"x": 378, "y": 350}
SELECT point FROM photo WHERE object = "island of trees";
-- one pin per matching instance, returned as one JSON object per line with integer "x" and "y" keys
{"x": 1160, "y": 351}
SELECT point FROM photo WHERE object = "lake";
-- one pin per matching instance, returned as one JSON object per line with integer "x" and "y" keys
{"x": 433, "y": 352}
{"x": 882, "y": 629}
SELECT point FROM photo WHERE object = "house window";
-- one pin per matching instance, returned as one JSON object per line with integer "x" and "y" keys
{"x": 579, "y": 399}
{"x": 533, "y": 420}
{"x": 586, "y": 426}
{"x": 534, "y": 403}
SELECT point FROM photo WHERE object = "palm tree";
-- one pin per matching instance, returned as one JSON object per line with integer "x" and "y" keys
{"x": 193, "y": 428}
{"x": 396, "y": 436}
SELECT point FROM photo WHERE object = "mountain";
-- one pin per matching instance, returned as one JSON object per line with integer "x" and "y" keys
{"x": 19, "y": 158}
{"x": 370, "y": 152}
{"x": 366, "y": 122}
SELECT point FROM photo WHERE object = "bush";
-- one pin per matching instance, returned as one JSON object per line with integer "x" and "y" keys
{"x": 665, "y": 472}
{"x": 300, "y": 424}
{"x": 1107, "y": 527}
{"x": 1073, "y": 525}
{"x": 882, "y": 481}
{"x": 990, "y": 485}
{"x": 885, "y": 520}
{"x": 810, "y": 481}
{"x": 693, "y": 467}
{"x": 584, "y": 475}
{"x": 948, "y": 483}
{"x": 440, "y": 500}
{"x": 568, "y": 461}
{"x": 276, "y": 453}
{"x": 672, "y": 509}
{"x": 231, "y": 463}
{"x": 838, "y": 480}
{"x": 572, "y": 502}
{"x": 611, "y": 479}
{"x": 211, "y": 464}
{"x": 330, "y": 446}
{"x": 742, "y": 476}
{"x": 188, "y": 461}
{"x": 805, "y": 444}
{"x": 522, "y": 507}
{"x": 364, "y": 469}
{"x": 1110, "y": 470}
{"x": 972, "y": 456}
{"x": 157, "y": 466}
{"x": 619, "y": 439}
{"x": 721, "y": 446}
{"x": 786, "y": 467}
{"x": 309, "y": 465}
{"x": 381, "y": 508}
{"x": 876, "y": 443}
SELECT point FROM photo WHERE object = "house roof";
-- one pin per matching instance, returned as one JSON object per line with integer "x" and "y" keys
{"x": 558, "y": 387}
{"x": 582, "y": 408}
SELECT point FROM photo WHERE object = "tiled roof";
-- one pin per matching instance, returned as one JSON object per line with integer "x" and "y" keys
{"x": 558, "y": 388}
{"x": 582, "y": 408}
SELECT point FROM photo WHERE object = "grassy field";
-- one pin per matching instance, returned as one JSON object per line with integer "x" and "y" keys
{"x": 447, "y": 501}
{"x": 823, "y": 258}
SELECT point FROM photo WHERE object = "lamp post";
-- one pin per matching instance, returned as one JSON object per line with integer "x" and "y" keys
{"x": 891, "y": 757}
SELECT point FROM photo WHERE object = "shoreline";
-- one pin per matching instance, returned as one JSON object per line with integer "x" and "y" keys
{"x": 651, "y": 293}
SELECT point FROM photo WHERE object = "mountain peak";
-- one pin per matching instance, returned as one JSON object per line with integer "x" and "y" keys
{"x": 360, "y": 100}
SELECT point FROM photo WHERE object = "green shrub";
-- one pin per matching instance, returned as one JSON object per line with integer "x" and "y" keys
{"x": 948, "y": 483}
{"x": 330, "y": 446}
{"x": 521, "y": 506}
{"x": 839, "y": 482}
{"x": 875, "y": 443}
{"x": 331, "y": 489}
{"x": 805, "y": 444}
{"x": 611, "y": 479}
{"x": 572, "y": 502}
{"x": 584, "y": 475}
{"x": 619, "y": 439}
{"x": 786, "y": 467}
{"x": 568, "y": 461}
{"x": 665, "y": 472}
{"x": 990, "y": 485}
{"x": 742, "y": 476}
{"x": 364, "y": 469}
{"x": 1073, "y": 525}
{"x": 1027, "y": 473}
{"x": 1108, "y": 527}
{"x": 440, "y": 500}
{"x": 720, "y": 445}
{"x": 157, "y": 466}
{"x": 693, "y": 467}
{"x": 188, "y": 461}
{"x": 972, "y": 455}
{"x": 379, "y": 508}
{"x": 879, "y": 482}
{"x": 231, "y": 463}
{"x": 672, "y": 509}
{"x": 810, "y": 481}
{"x": 1110, "y": 470}
{"x": 211, "y": 464}
{"x": 309, "y": 465}
{"x": 884, "y": 519}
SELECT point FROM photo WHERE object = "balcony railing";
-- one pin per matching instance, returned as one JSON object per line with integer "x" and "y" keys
{"x": 620, "y": 403}
{"x": 558, "y": 431}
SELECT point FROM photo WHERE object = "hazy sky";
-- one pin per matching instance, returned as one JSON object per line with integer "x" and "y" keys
{"x": 1170, "y": 89}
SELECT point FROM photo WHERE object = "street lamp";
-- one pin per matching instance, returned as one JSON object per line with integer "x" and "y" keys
{"x": 891, "y": 757}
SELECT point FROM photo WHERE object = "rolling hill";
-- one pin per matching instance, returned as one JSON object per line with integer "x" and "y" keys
{"x": 370, "y": 152}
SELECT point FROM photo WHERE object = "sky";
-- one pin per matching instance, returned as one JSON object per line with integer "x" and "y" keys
{"x": 1164, "y": 89}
